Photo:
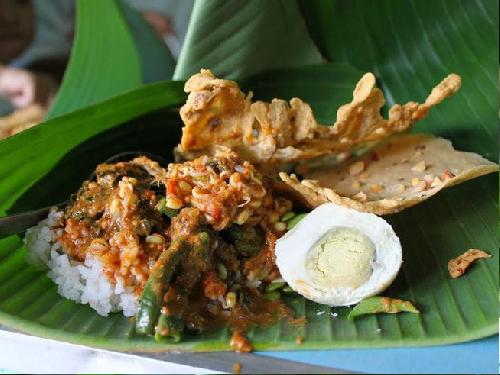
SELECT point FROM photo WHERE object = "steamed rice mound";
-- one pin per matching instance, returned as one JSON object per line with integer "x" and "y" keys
{"x": 82, "y": 282}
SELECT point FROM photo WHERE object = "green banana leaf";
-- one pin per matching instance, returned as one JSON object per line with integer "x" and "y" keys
{"x": 93, "y": 73}
{"x": 45, "y": 164}
{"x": 410, "y": 46}
{"x": 237, "y": 38}
{"x": 114, "y": 51}
{"x": 157, "y": 62}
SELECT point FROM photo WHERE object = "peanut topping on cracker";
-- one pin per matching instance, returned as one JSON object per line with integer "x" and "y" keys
{"x": 436, "y": 182}
{"x": 356, "y": 168}
{"x": 419, "y": 167}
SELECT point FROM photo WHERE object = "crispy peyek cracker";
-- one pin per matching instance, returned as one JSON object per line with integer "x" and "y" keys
{"x": 218, "y": 113}
{"x": 395, "y": 175}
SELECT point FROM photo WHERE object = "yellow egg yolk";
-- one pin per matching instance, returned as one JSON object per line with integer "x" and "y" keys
{"x": 343, "y": 257}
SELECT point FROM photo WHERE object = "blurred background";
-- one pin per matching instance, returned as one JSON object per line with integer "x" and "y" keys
{"x": 36, "y": 37}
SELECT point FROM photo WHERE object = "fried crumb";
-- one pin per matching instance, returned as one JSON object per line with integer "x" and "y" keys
{"x": 236, "y": 368}
{"x": 457, "y": 266}
{"x": 239, "y": 343}
{"x": 299, "y": 340}
{"x": 415, "y": 181}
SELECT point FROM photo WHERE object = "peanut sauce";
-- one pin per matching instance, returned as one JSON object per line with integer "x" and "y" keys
{"x": 121, "y": 219}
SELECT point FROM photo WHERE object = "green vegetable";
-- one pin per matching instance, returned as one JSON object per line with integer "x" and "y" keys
{"x": 197, "y": 260}
{"x": 169, "y": 326}
{"x": 295, "y": 221}
{"x": 288, "y": 216}
{"x": 156, "y": 286}
{"x": 275, "y": 286}
{"x": 375, "y": 305}
{"x": 202, "y": 246}
{"x": 222, "y": 271}
{"x": 287, "y": 289}
{"x": 246, "y": 240}
{"x": 167, "y": 211}
{"x": 271, "y": 296}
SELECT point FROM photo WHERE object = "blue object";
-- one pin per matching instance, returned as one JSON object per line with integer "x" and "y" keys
{"x": 480, "y": 357}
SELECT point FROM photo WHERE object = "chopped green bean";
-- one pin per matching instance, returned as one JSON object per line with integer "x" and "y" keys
{"x": 271, "y": 296}
{"x": 246, "y": 240}
{"x": 375, "y": 305}
{"x": 167, "y": 211}
{"x": 287, "y": 289}
{"x": 222, "y": 271}
{"x": 152, "y": 295}
{"x": 288, "y": 216}
{"x": 275, "y": 286}
{"x": 170, "y": 327}
{"x": 293, "y": 222}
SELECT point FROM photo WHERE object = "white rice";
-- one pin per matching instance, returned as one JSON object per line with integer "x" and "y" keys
{"x": 81, "y": 282}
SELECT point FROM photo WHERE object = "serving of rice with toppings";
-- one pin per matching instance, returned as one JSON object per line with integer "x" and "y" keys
{"x": 188, "y": 247}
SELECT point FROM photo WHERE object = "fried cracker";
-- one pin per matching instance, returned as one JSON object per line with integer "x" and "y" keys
{"x": 218, "y": 113}
{"x": 397, "y": 174}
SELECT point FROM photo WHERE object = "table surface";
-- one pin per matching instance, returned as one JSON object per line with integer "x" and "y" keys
{"x": 479, "y": 356}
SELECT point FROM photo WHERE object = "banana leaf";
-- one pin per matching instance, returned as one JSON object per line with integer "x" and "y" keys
{"x": 45, "y": 164}
{"x": 93, "y": 73}
{"x": 237, "y": 38}
{"x": 114, "y": 51}
{"x": 410, "y": 46}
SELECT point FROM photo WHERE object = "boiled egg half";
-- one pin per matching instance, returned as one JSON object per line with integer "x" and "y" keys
{"x": 338, "y": 256}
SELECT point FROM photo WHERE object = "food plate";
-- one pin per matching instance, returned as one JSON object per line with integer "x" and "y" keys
{"x": 432, "y": 233}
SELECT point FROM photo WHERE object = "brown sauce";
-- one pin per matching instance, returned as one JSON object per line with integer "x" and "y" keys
{"x": 117, "y": 220}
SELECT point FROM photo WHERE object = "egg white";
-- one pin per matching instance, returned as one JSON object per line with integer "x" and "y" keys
{"x": 292, "y": 249}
